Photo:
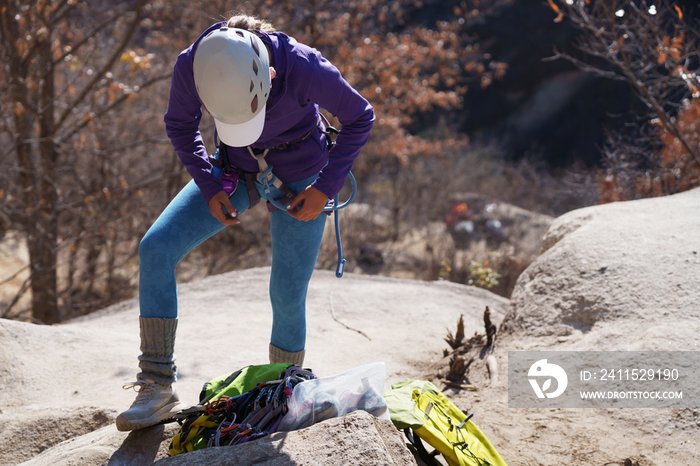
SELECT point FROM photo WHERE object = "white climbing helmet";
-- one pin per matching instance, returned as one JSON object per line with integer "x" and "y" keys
{"x": 232, "y": 76}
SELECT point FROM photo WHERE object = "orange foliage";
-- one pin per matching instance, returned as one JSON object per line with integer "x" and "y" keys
{"x": 678, "y": 10}
{"x": 676, "y": 166}
{"x": 670, "y": 48}
{"x": 137, "y": 60}
{"x": 678, "y": 169}
{"x": 404, "y": 71}
{"x": 560, "y": 14}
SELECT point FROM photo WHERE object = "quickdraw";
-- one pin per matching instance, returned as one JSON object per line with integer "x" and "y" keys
{"x": 235, "y": 420}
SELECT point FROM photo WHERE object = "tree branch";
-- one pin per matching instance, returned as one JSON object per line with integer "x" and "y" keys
{"x": 112, "y": 106}
{"x": 110, "y": 61}
{"x": 92, "y": 34}
{"x": 62, "y": 14}
{"x": 23, "y": 289}
{"x": 602, "y": 50}
{"x": 14, "y": 275}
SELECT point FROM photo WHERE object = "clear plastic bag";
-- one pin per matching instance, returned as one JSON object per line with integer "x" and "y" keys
{"x": 316, "y": 400}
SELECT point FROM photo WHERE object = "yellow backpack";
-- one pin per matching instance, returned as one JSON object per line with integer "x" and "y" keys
{"x": 423, "y": 412}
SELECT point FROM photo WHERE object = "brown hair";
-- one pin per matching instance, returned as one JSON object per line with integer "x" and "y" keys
{"x": 249, "y": 23}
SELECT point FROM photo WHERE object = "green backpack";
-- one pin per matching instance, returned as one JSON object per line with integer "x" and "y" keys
{"x": 419, "y": 409}
{"x": 238, "y": 407}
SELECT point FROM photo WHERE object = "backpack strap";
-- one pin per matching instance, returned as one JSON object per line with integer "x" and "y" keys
{"x": 427, "y": 458}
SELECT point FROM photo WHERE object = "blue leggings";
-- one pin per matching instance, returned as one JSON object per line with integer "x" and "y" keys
{"x": 187, "y": 222}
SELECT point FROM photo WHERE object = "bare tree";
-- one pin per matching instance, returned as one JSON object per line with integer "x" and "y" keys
{"x": 59, "y": 60}
{"x": 653, "y": 48}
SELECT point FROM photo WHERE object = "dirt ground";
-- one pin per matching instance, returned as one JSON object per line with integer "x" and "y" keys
{"x": 548, "y": 437}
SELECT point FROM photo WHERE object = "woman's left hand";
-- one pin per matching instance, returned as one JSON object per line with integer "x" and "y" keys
{"x": 307, "y": 205}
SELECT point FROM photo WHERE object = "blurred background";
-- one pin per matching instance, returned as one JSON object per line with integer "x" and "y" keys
{"x": 493, "y": 117}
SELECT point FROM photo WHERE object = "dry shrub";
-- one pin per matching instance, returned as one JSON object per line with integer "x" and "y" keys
{"x": 456, "y": 340}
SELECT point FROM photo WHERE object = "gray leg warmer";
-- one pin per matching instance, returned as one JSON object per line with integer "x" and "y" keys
{"x": 157, "y": 360}
{"x": 278, "y": 355}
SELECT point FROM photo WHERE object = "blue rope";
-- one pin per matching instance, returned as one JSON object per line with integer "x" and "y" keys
{"x": 341, "y": 262}
{"x": 332, "y": 208}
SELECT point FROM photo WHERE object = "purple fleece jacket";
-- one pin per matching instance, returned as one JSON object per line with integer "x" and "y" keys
{"x": 305, "y": 80}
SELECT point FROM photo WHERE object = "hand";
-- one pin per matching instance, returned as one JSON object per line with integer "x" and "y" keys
{"x": 307, "y": 205}
{"x": 218, "y": 203}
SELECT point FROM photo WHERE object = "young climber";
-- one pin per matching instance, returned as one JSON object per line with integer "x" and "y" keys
{"x": 264, "y": 90}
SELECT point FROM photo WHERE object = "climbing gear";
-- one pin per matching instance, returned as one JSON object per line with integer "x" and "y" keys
{"x": 232, "y": 76}
{"x": 154, "y": 404}
{"x": 229, "y": 175}
{"x": 230, "y": 181}
{"x": 156, "y": 401}
{"x": 268, "y": 179}
{"x": 423, "y": 412}
{"x": 278, "y": 355}
{"x": 243, "y": 406}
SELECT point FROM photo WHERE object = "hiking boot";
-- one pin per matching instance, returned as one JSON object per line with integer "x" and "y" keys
{"x": 154, "y": 404}
{"x": 156, "y": 400}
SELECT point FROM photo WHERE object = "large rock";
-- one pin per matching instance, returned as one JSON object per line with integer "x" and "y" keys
{"x": 35, "y": 429}
{"x": 622, "y": 276}
{"x": 358, "y": 439}
{"x": 108, "y": 446}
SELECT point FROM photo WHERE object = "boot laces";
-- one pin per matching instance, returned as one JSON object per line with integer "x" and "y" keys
{"x": 144, "y": 390}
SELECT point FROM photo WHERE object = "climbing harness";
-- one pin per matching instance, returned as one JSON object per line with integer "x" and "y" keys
{"x": 230, "y": 176}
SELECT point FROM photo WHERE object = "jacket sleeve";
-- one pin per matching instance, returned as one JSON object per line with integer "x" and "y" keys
{"x": 329, "y": 90}
{"x": 182, "y": 127}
